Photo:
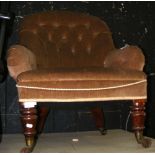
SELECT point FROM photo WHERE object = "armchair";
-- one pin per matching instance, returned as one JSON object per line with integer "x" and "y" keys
{"x": 65, "y": 56}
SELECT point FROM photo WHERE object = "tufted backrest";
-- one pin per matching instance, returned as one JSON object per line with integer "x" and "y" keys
{"x": 66, "y": 39}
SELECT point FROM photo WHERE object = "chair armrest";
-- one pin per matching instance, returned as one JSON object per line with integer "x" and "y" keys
{"x": 128, "y": 57}
{"x": 20, "y": 59}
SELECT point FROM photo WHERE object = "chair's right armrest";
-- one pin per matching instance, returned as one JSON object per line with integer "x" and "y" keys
{"x": 20, "y": 59}
{"x": 128, "y": 57}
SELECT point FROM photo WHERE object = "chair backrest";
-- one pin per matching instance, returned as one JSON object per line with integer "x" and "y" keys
{"x": 66, "y": 39}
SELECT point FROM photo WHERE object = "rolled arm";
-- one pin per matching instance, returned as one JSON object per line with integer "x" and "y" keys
{"x": 20, "y": 59}
{"x": 129, "y": 57}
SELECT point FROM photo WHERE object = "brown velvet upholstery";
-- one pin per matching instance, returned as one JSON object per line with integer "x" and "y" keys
{"x": 70, "y": 50}
{"x": 114, "y": 82}
{"x": 66, "y": 56}
{"x": 64, "y": 36}
{"x": 20, "y": 61}
{"x": 130, "y": 57}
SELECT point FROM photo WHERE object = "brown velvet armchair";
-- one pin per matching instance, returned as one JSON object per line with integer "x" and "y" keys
{"x": 65, "y": 56}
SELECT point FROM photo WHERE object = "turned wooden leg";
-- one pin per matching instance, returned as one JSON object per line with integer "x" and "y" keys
{"x": 138, "y": 119}
{"x": 29, "y": 121}
{"x": 42, "y": 114}
{"x": 99, "y": 119}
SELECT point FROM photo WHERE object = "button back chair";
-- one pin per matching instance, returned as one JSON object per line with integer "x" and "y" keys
{"x": 64, "y": 56}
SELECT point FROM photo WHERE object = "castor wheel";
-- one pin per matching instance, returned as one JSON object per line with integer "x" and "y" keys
{"x": 145, "y": 142}
{"x": 26, "y": 150}
{"x": 102, "y": 131}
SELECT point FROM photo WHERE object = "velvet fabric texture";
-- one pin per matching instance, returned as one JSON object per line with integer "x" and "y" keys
{"x": 68, "y": 56}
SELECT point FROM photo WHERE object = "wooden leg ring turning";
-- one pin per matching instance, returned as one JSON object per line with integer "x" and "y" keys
{"x": 29, "y": 121}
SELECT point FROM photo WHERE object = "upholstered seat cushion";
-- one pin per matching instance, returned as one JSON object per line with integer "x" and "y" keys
{"x": 81, "y": 84}
{"x": 80, "y": 74}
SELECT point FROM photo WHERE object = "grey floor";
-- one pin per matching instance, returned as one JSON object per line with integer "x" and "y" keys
{"x": 78, "y": 142}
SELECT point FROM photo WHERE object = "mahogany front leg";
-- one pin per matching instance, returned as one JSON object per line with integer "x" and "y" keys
{"x": 29, "y": 121}
{"x": 138, "y": 120}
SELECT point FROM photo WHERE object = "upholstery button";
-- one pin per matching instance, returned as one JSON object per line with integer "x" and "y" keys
{"x": 64, "y": 36}
{"x": 34, "y": 31}
{"x": 55, "y": 24}
{"x": 87, "y": 25}
{"x": 73, "y": 50}
{"x": 49, "y": 37}
{"x": 79, "y": 37}
{"x": 95, "y": 34}
{"x": 89, "y": 49}
{"x": 72, "y": 25}
{"x": 41, "y": 24}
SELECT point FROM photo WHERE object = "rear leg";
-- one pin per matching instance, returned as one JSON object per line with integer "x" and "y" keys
{"x": 99, "y": 119}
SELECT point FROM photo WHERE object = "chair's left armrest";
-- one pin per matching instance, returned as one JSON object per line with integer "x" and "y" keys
{"x": 129, "y": 57}
{"x": 20, "y": 59}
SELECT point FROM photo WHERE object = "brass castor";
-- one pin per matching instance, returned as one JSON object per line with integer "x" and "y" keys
{"x": 26, "y": 150}
{"x": 30, "y": 142}
{"x": 145, "y": 142}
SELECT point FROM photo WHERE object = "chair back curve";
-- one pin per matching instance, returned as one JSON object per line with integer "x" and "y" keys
{"x": 66, "y": 39}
